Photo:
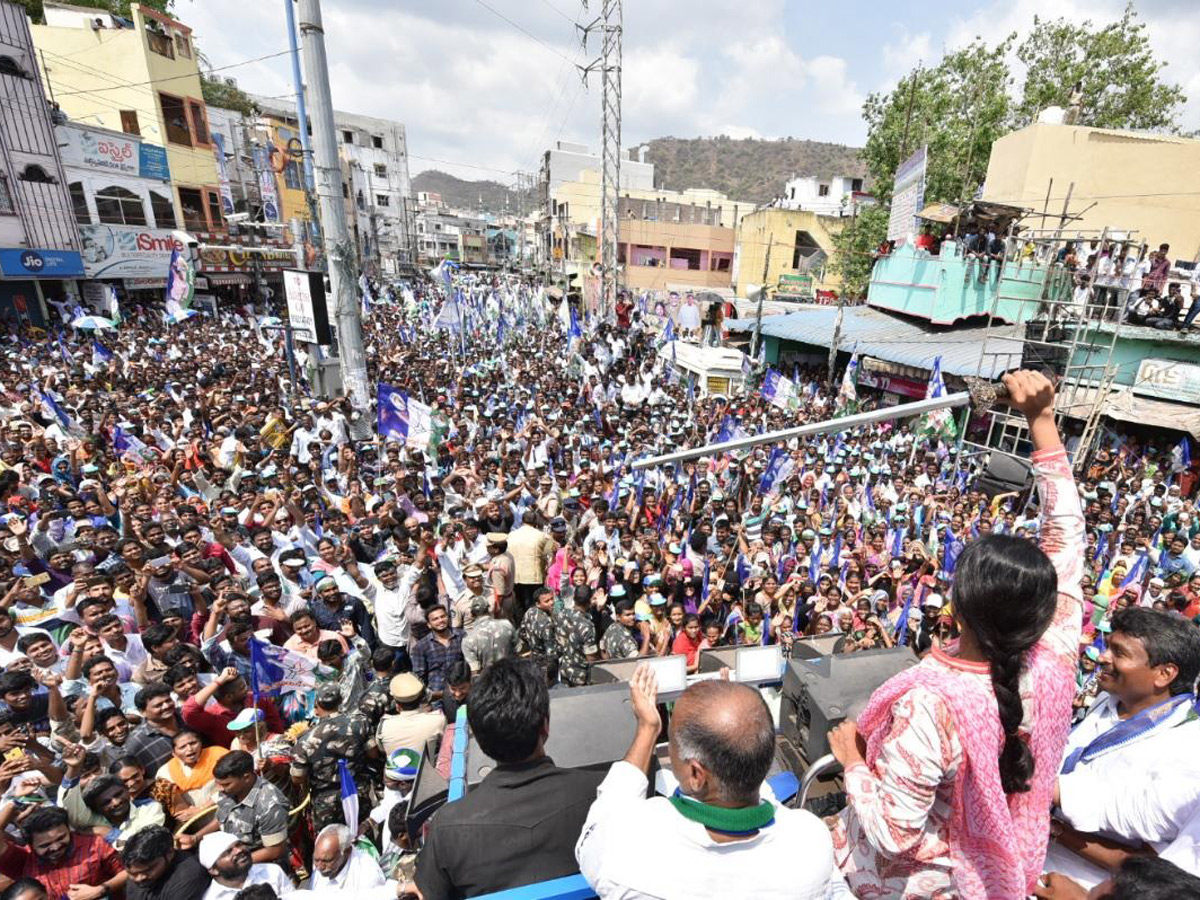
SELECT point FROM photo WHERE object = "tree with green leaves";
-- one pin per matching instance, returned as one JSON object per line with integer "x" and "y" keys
{"x": 1120, "y": 77}
{"x": 957, "y": 109}
{"x": 851, "y": 260}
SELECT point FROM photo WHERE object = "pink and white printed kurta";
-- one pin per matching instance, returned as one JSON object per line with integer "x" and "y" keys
{"x": 893, "y": 839}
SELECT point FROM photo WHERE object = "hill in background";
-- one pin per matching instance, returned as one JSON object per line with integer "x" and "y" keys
{"x": 741, "y": 169}
{"x": 747, "y": 169}
{"x": 491, "y": 196}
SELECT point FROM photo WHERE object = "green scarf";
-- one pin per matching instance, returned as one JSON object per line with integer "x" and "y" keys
{"x": 744, "y": 820}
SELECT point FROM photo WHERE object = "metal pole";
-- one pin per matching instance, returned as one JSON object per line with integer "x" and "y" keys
{"x": 328, "y": 175}
{"x": 762, "y": 291}
{"x": 845, "y": 423}
{"x": 837, "y": 336}
{"x": 302, "y": 118}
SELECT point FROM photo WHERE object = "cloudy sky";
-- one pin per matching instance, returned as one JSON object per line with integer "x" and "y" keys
{"x": 484, "y": 86}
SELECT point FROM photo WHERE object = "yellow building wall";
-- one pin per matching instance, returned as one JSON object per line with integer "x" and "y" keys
{"x": 93, "y": 75}
{"x": 1123, "y": 180}
{"x": 777, "y": 228}
{"x": 292, "y": 202}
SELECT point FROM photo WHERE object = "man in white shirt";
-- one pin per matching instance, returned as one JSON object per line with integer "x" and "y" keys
{"x": 340, "y": 866}
{"x": 1121, "y": 776}
{"x": 391, "y": 592}
{"x": 722, "y": 838}
{"x": 228, "y": 862}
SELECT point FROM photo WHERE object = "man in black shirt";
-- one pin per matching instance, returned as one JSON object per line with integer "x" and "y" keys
{"x": 157, "y": 870}
{"x": 520, "y": 824}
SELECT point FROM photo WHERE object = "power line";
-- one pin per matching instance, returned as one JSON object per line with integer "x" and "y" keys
{"x": 523, "y": 30}
{"x": 187, "y": 75}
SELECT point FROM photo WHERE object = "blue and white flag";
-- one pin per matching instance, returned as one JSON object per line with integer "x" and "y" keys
{"x": 1138, "y": 571}
{"x": 668, "y": 333}
{"x": 101, "y": 355}
{"x": 349, "y": 791}
{"x": 1181, "y": 456}
{"x": 771, "y": 472}
{"x": 364, "y": 289}
{"x": 127, "y": 442}
{"x": 573, "y": 329}
{"x": 52, "y": 409}
{"x": 62, "y": 349}
{"x": 275, "y": 671}
{"x": 392, "y": 413}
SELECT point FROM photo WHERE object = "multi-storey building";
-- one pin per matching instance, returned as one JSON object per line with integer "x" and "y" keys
{"x": 39, "y": 244}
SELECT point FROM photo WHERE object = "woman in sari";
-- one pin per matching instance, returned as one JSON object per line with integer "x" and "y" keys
{"x": 190, "y": 768}
{"x": 950, "y": 770}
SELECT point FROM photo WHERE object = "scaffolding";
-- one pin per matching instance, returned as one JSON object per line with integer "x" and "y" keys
{"x": 1069, "y": 332}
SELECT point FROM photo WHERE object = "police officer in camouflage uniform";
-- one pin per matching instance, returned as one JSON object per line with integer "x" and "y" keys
{"x": 536, "y": 637}
{"x": 576, "y": 638}
{"x": 487, "y": 639}
{"x": 618, "y": 641}
{"x": 336, "y": 735}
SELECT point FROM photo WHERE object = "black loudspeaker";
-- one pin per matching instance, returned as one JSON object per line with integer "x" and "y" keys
{"x": 820, "y": 693}
{"x": 613, "y": 670}
{"x": 429, "y": 790}
{"x": 590, "y": 728}
{"x": 1046, "y": 349}
{"x": 717, "y": 658}
{"x": 815, "y": 647}
{"x": 1004, "y": 474}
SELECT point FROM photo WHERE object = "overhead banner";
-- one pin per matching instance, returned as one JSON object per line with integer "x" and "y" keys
{"x": 908, "y": 197}
{"x": 222, "y": 174}
{"x": 266, "y": 185}
{"x": 126, "y": 251}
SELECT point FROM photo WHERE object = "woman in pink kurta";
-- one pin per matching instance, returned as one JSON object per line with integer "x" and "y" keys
{"x": 950, "y": 770}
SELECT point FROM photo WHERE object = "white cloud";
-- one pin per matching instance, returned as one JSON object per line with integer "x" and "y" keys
{"x": 835, "y": 92}
{"x": 472, "y": 88}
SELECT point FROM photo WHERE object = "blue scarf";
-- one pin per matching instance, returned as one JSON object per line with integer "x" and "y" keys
{"x": 1126, "y": 731}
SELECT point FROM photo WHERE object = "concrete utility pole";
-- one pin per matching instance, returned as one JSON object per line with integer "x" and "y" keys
{"x": 328, "y": 174}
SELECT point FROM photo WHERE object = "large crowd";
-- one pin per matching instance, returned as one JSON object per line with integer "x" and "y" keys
{"x": 175, "y": 516}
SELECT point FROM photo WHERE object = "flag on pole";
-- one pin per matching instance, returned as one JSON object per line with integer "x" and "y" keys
{"x": 52, "y": 409}
{"x": 1181, "y": 455}
{"x": 101, "y": 355}
{"x": 847, "y": 397}
{"x": 181, "y": 284}
{"x": 668, "y": 333}
{"x": 573, "y": 330}
{"x": 364, "y": 289}
{"x": 392, "y": 413}
{"x": 349, "y": 791}
{"x": 275, "y": 671}
{"x": 939, "y": 423}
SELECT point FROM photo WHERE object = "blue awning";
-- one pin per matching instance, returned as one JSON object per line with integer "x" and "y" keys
{"x": 895, "y": 339}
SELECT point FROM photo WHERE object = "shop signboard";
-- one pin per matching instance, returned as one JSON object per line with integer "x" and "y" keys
{"x": 38, "y": 262}
{"x": 125, "y": 154}
{"x": 307, "y": 312}
{"x": 126, "y": 251}
{"x": 892, "y": 384}
{"x": 1168, "y": 379}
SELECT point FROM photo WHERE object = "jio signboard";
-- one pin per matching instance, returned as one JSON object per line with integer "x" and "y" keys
{"x": 36, "y": 262}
